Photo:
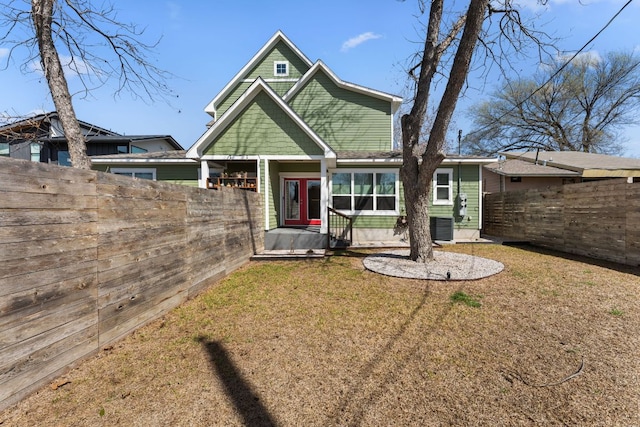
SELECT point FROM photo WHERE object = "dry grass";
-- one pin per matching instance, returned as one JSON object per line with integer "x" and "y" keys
{"x": 324, "y": 343}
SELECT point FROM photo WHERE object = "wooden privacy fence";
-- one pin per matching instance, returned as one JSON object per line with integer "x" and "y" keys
{"x": 86, "y": 257}
{"x": 599, "y": 219}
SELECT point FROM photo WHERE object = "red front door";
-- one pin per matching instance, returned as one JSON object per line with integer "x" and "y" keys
{"x": 301, "y": 201}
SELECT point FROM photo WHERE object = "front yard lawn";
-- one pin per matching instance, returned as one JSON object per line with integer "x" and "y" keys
{"x": 551, "y": 340}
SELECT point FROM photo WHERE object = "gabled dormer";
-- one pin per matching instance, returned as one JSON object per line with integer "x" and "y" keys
{"x": 345, "y": 115}
{"x": 279, "y": 63}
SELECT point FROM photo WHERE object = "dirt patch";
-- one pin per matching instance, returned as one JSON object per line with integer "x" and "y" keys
{"x": 327, "y": 342}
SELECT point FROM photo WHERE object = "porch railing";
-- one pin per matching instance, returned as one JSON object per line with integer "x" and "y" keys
{"x": 340, "y": 230}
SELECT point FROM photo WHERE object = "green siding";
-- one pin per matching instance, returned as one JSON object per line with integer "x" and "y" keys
{"x": 345, "y": 119}
{"x": 280, "y": 52}
{"x": 364, "y": 221}
{"x": 264, "y": 69}
{"x": 178, "y": 174}
{"x": 175, "y": 174}
{"x": 469, "y": 184}
{"x": 301, "y": 167}
{"x": 233, "y": 96}
{"x": 263, "y": 128}
{"x": 281, "y": 87}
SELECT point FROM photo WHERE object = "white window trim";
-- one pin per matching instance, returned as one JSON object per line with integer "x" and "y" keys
{"x": 366, "y": 212}
{"x": 134, "y": 171}
{"x": 275, "y": 68}
{"x": 35, "y": 149}
{"x": 434, "y": 190}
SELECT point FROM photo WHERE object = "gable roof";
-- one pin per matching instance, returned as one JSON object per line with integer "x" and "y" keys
{"x": 155, "y": 157}
{"x": 46, "y": 118}
{"x": 320, "y": 66}
{"x": 95, "y": 134}
{"x": 123, "y": 139}
{"x": 516, "y": 167}
{"x": 259, "y": 86}
{"x": 261, "y": 54}
{"x": 587, "y": 165}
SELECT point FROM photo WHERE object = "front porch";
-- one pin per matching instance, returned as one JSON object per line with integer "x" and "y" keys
{"x": 295, "y": 238}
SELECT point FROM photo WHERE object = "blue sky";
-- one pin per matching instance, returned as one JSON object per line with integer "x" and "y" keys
{"x": 368, "y": 42}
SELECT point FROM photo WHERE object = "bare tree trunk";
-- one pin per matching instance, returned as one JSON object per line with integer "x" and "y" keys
{"x": 417, "y": 173}
{"x": 42, "y": 12}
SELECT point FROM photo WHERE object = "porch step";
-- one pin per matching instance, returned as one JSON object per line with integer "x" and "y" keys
{"x": 274, "y": 255}
{"x": 293, "y": 239}
{"x": 339, "y": 243}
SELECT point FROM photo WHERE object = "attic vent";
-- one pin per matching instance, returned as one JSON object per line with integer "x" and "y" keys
{"x": 281, "y": 68}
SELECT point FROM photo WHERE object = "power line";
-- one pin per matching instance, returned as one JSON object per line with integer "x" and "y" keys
{"x": 562, "y": 67}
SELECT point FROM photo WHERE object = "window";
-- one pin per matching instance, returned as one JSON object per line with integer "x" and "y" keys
{"x": 63, "y": 158}
{"x": 365, "y": 191}
{"x": 4, "y": 149}
{"x": 122, "y": 149}
{"x": 143, "y": 173}
{"x": 135, "y": 149}
{"x": 443, "y": 187}
{"x": 35, "y": 151}
{"x": 281, "y": 68}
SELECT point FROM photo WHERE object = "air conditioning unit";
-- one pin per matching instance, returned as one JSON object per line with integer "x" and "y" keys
{"x": 441, "y": 228}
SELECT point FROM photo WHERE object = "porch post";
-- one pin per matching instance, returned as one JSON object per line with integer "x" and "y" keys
{"x": 266, "y": 195}
{"x": 204, "y": 174}
{"x": 324, "y": 198}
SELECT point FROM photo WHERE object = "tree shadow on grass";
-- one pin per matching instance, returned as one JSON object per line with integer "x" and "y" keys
{"x": 622, "y": 268}
{"x": 244, "y": 398}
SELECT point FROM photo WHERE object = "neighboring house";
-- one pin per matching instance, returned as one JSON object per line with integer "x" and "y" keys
{"x": 542, "y": 169}
{"x": 316, "y": 147}
{"x": 169, "y": 166}
{"x": 40, "y": 138}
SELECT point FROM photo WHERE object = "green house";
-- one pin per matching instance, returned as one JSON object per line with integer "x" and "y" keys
{"x": 321, "y": 152}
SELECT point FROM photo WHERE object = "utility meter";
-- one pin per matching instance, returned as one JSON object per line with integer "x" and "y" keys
{"x": 462, "y": 204}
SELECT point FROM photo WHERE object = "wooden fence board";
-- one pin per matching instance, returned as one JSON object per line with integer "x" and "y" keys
{"x": 25, "y": 168}
{"x": 138, "y": 256}
{"x": 28, "y": 303}
{"x": 142, "y": 192}
{"x": 598, "y": 219}
{"x": 10, "y": 218}
{"x": 47, "y": 185}
{"x": 117, "y": 328}
{"x": 23, "y": 233}
{"x": 19, "y": 266}
{"x": 18, "y": 250}
{"x": 50, "y": 326}
{"x": 87, "y": 257}
{"x": 43, "y": 277}
{"x": 13, "y": 200}
{"x": 44, "y": 364}
{"x": 130, "y": 280}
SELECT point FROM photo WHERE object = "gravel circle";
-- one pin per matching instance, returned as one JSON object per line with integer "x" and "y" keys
{"x": 445, "y": 266}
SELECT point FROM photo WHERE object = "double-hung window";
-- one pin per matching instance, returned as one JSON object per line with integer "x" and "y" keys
{"x": 443, "y": 187}
{"x": 368, "y": 191}
{"x": 35, "y": 149}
